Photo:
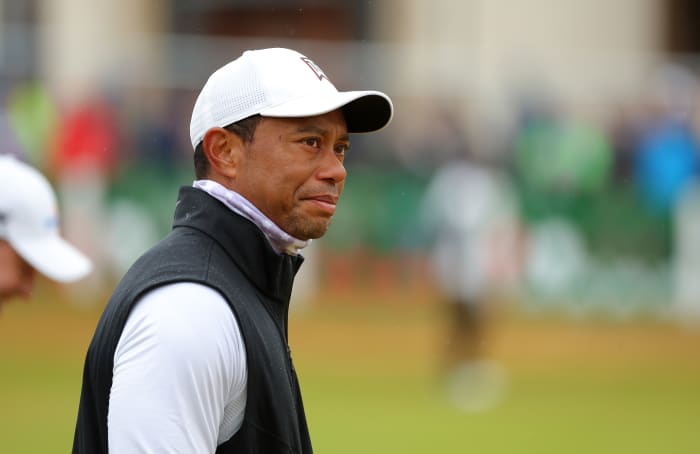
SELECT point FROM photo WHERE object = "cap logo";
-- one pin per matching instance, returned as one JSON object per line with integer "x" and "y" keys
{"x": 315, "y": 68}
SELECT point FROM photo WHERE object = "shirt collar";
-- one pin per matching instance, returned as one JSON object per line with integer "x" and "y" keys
{"x": 281, "y": 241}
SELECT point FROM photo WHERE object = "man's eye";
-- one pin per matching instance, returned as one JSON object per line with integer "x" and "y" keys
{"x": 312, "y": 142}
{"x": 342, "y": 148}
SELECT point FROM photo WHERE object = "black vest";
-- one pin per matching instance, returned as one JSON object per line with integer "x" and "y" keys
{"x": 211, "y": 245}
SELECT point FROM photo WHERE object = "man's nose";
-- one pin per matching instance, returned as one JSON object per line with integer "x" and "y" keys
{"x": 332, "y": 167}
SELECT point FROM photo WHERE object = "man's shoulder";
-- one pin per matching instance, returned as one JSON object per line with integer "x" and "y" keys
{"x": 183, "y": 255}
{"x": 181, "y": 243}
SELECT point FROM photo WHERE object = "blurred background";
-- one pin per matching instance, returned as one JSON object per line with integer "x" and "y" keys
{"x": 515, "y": 265}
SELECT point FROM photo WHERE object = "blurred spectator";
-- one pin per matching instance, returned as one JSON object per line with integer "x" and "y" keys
{"x": 150, "y": 167}
{"x": 33, "y": 117}
{"x": 557, "y": 260}
{"x": 561, "y": 167}
{"x": 470, "y": 212}
{"x": 666, "y": 158}
{"x": 666, "y": 161}
{"x": 86, "y": 141}
{"x": 151, "y": 119}
{"x": 85, "y": 157}
{"x": 667, "y": 175}
{"x": 29, "y": 233}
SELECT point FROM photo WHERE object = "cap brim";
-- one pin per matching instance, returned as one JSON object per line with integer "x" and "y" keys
{"x": 54, "y": 257}
{"x": 365, "y": 111}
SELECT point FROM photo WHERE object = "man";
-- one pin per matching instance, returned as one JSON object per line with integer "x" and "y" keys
{"x": 29, "y": 234}
{"x": 470, "y": 214}
{"x": 191, "y": 353}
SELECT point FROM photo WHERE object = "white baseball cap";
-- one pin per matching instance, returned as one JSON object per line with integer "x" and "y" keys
{"x": 281, "y": 82}
{"x": 29, "y": 223}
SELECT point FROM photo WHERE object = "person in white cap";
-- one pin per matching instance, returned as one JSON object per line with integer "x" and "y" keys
{"x": 30, "y": 240}
{"x": 191, "y": 353}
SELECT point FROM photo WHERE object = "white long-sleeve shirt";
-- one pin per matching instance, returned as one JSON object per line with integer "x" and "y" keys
{"x": 180, "y": 374}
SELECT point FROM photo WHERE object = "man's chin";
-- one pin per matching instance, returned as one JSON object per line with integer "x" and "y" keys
{"x": 309, "y": 228}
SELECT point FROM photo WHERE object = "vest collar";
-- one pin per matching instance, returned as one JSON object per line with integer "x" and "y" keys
{"x": 242, "y": 240}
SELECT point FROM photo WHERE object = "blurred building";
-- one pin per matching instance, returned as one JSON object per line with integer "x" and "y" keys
{"x": 494, "y": 64}
{"x": 480, "y": 53}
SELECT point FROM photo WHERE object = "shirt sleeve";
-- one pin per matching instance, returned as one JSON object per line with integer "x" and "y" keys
{"x": 180, "y": 374}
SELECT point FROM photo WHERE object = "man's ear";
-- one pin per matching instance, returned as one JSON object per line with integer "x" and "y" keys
{"x": 223, "y": 150}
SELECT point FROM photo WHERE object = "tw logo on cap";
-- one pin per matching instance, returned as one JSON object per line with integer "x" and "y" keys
{"x": 315, "y": 68}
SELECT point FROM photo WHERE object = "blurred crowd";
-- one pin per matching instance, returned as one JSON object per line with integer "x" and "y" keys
{"x": 607, "y": 209}
{"x": 604, "y": 213}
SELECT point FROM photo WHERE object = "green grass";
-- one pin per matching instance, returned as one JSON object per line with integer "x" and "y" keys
{"x": 370, "y": 385}
{"x": 39, "y": 403}
{"x": 370, "y": 419}
{"x": 582, "y": 411}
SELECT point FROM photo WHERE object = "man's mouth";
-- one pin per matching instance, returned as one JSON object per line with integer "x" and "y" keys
{"x": 325, "y": 202}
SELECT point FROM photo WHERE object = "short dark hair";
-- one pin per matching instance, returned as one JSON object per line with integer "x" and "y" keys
{"x": 245, "y": 129}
